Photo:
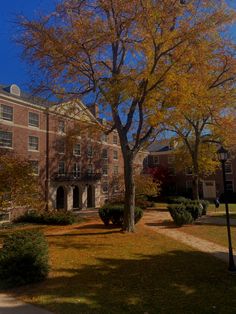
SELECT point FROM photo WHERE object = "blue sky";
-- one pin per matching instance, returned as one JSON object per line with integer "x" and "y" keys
{"x": 12, "y": 68}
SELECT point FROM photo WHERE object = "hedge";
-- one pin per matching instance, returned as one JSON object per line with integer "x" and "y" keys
{"x": 48, "y": 218}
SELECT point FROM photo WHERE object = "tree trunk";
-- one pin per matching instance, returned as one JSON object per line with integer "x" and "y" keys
{"x": 195, "y": 187}
{"x": 129, "y": 193}
{"x": 195, "y": 179}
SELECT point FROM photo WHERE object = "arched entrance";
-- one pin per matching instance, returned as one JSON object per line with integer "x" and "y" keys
{"x": 76, "y": 197}
{"x": 60, "y": 198}
{"x": 90, "y": 196}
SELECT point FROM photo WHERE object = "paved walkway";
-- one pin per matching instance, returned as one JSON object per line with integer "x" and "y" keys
{"x": 9, "y": 305}
{"x": 156, "y": 221}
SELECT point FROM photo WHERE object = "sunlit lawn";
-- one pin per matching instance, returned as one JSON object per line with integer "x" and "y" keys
{"x": 98, "y": 270}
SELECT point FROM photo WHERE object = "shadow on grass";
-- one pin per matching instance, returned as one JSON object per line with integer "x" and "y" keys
{"x": 173, "y": 282}
{"x": 166, "y": 224}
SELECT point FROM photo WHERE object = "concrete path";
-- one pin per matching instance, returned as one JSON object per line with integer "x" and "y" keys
{"x": 9, "y": 305}
{"x": 158, "y": 221}
{"x": 211, "y": 220}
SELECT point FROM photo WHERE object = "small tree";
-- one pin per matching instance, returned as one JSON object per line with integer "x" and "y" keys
{"x": 18, "y": 185}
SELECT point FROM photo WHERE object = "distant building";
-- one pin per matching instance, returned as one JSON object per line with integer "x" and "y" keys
{"x": 162, "y": 156}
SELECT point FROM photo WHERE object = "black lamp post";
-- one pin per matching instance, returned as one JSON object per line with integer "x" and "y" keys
{"x": 223, "y": 156}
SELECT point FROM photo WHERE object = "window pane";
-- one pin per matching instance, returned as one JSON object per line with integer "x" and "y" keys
{"x": 76, "y": 150}
{"x": 6, "y": 113}
{"x": 61, "y": 167}
{"x": 90, "y": 151}
{"x": 35, "y": 166}
{"x": 5, "y": 139}
{"x": 34, "y": 119}
{"x": 104, "y": 154}
{"x": 115, "y": 154}
{"x": 61, "y": 126}
{"x": 33, "y": 143}
{"x": 115, "y": 139}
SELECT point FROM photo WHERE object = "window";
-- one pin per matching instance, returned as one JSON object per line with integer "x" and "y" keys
{"x": 115, "y": 139}
{"x": 105, "y": 187}
{"x": 116, "y": 187}
{"x": 188, "y": 171}
{"x": 104, "y": 153}
{"x": 33, "y": 119}
{"x": 115, "y": 154}
{"x": 6, "y": 113}
{"x": 61, "y": 126}
{"x": 76, "y": 170}
{"x": 90, "y": 169}
{"x": 228, "y": 167}
{"x": 104, "y": 138}
{"x": 33, "y": 143}
{"x": 171, "y": 171}
{"x": 105, "y": 170}
{"x": 35, "y": 167}
{"x": 189, "y": 185}
{"x": 116, "y": 170}
{"x": 90, "y": 151}
{"x": 229, "y": 186}
{"x": 61, "y": 146}
{"x": 171, "y": 159}
{"x": 5, "y": 139}
{"x": 155, "y": 160}
{"x": 61, "y": 167}
{"x": 76, "y": 150}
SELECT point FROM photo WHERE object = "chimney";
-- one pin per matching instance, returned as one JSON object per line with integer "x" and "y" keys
{"x": 94, "y": 109}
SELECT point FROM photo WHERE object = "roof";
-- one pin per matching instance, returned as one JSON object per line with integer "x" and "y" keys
{"x": 35, "y": 100}
{"x": 160, "y": 146}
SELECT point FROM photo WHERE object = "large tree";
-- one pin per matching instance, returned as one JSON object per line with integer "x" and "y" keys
{"x": 120, "y": 52}
{"x": 203, "y": 112}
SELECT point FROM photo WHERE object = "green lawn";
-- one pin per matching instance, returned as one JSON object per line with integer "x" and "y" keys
{"x": 98, "y": 270}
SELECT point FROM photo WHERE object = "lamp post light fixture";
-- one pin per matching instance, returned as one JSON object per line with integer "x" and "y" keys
{"x": 223, "y": 156}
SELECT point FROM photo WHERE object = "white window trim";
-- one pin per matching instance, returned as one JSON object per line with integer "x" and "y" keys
{"x": 115, "y": 157}
{"x": 30, "y": 149}
{"x": 8, "y": 147}
{"x": 6, "y": 120}
{"x": 74, "y": 153}
{"x": 33, "y": 126}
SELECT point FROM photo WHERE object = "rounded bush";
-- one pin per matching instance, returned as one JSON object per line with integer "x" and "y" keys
{"x": 24, "y": 258}
{"x": 177, "y": 200}
{"x": 180, "y": 215}
{"x": 194, "y": 208}
{"x": 48, "y": 218}
{"x": 114, "y": 213}
{"x": 205, "y": 205}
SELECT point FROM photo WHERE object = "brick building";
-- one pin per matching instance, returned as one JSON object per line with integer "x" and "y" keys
{"x": 77, "y": 164}
{"x": 161, "y": 155}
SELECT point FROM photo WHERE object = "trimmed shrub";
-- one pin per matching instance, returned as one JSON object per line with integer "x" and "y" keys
{"x": 114, "y": 213}
{"x": 205, "y": 205}
{"x": 180, "y": 215}
{"x": 194, "y": 208}
{"x": 177, "y": 200}
{"x": 48, "y": 218}
{"x": 24, "y": 258}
